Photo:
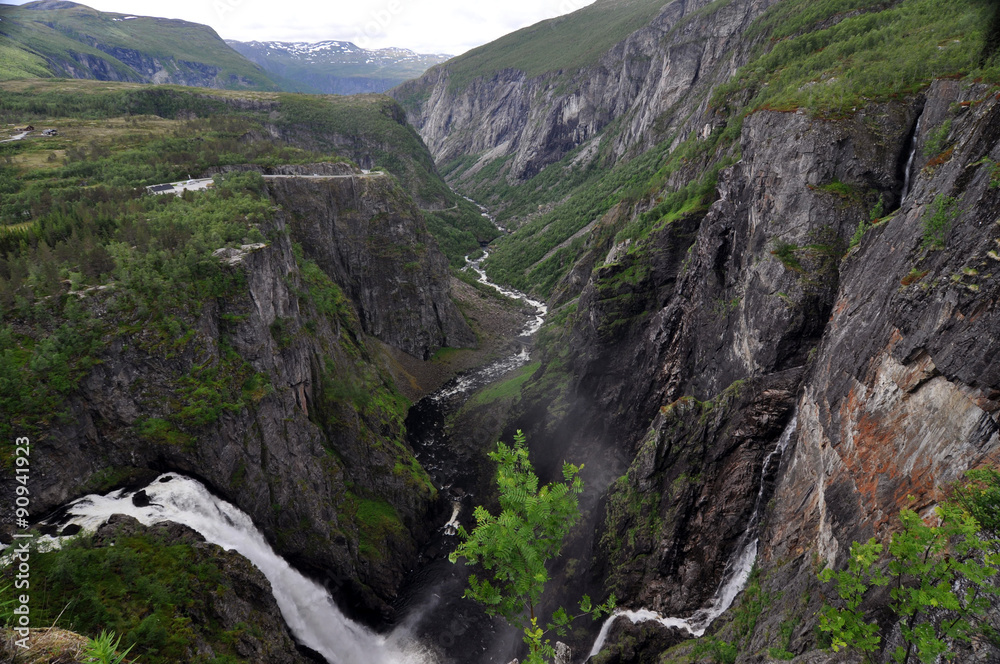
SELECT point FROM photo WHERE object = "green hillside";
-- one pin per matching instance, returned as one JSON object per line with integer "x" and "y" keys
{"x": 74, "y": 41}
{"x": 564, "y": 43}
{"x": 96, "y": 119}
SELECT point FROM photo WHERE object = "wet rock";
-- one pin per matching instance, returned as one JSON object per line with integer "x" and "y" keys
{"x": 141, "y": 499}
{"x": 637, "y": 643}
{"x": 70, "y": 530}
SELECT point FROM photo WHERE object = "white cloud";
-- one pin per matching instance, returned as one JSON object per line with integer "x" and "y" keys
{"x": 426, "y": 26}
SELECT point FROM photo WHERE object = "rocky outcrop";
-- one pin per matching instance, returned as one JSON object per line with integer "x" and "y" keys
{"x": 676, "y": 518}
{"x": 243, "y": 598}
{"x": 647, "y": 85}
{"x": 905, "y": 393}
{"x": 230, "y": 610}
{"x": 366, "y": 234}
{"x": 134, "y": 66}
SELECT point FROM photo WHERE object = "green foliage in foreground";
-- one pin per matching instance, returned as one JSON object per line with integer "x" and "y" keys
{"x": 515, "y": 546}
{"x": 104, "y": 649}
{"x": 6, "y": 604}
{"x": 938, "y": 222}
{"x": 942, "y": 578}
{"x": 155, "y": 593}
{"x": 715, "y": 649}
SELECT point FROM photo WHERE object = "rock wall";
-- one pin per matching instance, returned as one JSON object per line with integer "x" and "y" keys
{"x": 648, "y": 83}
{"x": 369, "y": 237}
{"x": 884, "y": 349}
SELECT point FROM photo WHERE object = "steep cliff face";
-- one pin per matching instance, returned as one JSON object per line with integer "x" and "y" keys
{"x": 366, "y": 234}
{"x": 797, "y": 234}
{"x": 881, "y": 347}
{"x": 704, "y": 328}
{"x": 313, "y": 447}
{"x": 903, "y": 395}
{"x": 637, "y": 86}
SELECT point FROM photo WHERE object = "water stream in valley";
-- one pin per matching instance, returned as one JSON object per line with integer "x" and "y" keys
{"x": 431, "y": 599}
{"x": 737, "y": 572}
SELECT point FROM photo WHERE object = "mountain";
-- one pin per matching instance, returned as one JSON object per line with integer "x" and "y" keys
{"x": 766, "y": 233}
{"x": 336, "y": 67}
{"x": 69, "y": 40}
{"x": 751, "y": 229}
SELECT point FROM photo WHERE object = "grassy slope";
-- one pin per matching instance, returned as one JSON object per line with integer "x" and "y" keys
{"x": 565, "y": 43}
{"x": 370, "y": 122}
{"x": 55, "y": 35}
{"x": 825, "y": 56}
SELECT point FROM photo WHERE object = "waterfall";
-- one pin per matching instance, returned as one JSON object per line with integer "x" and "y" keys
{"x": 306, "y": 606}
{"x": 908, "y": 175}
{"x": 737, "y": 572}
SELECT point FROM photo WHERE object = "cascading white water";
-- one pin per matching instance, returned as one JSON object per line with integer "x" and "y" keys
{"x": 451, "y": 528}
{"x": 480, "y": 377}
{"x": 306, "y": 606}
{"x": 541, "y": 310}
{"x": 486, "y": 213}
{"x": 908, "y": 175}
{"x": 735, "y": 577}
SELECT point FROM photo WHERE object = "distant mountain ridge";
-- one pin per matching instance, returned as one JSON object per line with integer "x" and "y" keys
{"x": 66, "y": 39}
{"x": 336, "y": 67}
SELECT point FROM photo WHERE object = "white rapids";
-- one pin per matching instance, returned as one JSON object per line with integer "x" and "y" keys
{"x": 306, "y": 606}
{"x": 477, "y": 378}
{"x": 733, "y": 580}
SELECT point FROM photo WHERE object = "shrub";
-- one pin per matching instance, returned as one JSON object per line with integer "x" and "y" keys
{"x": 515, "y": 546}
{"x": 103, "y": 649}
{"x": 941, "y": 578}
{"x": 938, "y": 222}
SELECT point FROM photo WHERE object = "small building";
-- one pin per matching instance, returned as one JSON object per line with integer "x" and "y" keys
{"x": 28, "y": 128}
{"x": 160, "y": 188}
{"x": 49, "y": 132}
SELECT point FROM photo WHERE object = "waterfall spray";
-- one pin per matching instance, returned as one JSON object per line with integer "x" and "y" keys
{"x": 908, "y": 175}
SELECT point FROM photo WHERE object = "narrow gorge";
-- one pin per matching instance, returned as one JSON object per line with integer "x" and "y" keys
{"x": 739, "y": 259}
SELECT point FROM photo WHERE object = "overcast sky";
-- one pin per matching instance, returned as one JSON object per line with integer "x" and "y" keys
{"x": 426, "y": 26}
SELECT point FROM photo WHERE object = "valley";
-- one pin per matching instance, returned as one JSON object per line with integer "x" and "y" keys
{"x": 737, "y": 259}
